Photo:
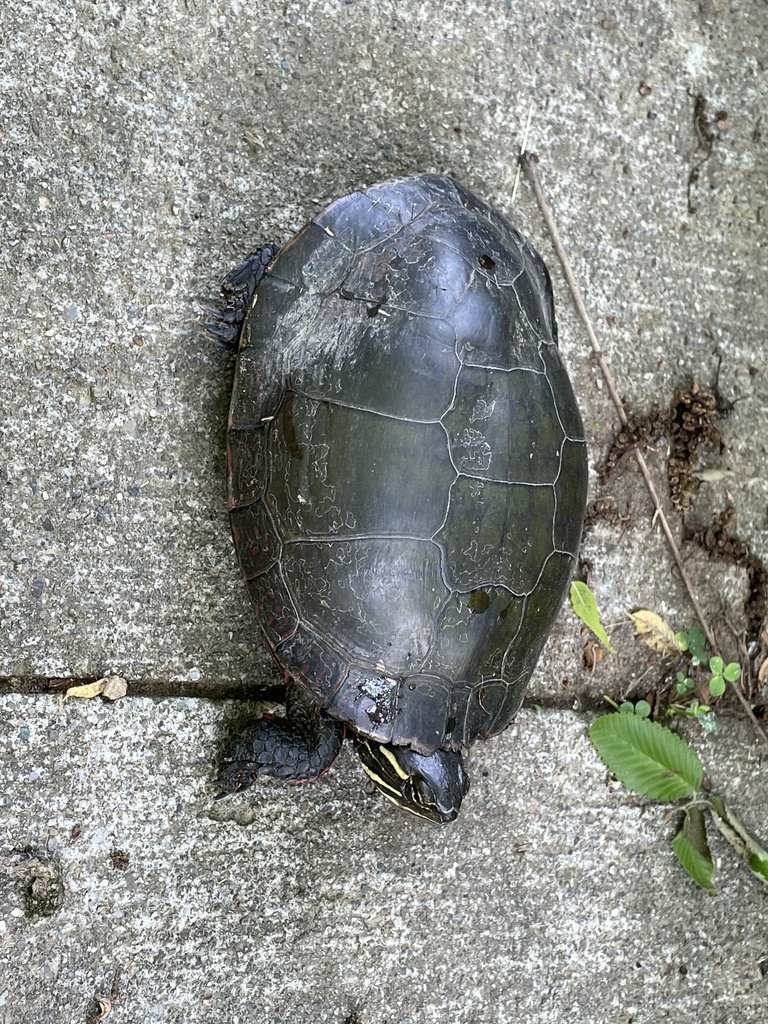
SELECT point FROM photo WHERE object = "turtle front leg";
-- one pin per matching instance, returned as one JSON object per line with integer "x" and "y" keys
{"x": 297, "y": 748}
{"x": 238, "y": 289}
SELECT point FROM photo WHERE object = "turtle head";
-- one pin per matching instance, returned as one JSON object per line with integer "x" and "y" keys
{"x": 429, "y": 785}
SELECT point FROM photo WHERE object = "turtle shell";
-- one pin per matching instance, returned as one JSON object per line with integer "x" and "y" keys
{"x": 406, "y": 463}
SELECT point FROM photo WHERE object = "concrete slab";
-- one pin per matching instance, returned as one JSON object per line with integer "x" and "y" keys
{"x": 555, "y": 897}
{"x": 128, "y": 188}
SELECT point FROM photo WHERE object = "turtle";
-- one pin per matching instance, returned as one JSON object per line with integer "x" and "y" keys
{"x": 407, "y": 479}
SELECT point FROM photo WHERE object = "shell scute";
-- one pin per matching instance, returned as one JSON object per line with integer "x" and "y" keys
{"x": 407, "y": 466}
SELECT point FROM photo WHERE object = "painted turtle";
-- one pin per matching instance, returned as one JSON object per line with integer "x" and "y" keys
{"x": 407, "y": 478}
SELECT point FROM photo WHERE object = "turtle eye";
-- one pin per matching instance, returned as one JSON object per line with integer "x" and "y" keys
{"x": 419, "y": 791}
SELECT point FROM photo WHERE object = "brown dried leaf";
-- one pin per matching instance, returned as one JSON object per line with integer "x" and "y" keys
{"x": 86, "y": 691}
{"x": 113, "y": 687}
{"x": 655, "y": 632}
{"x": 593, "y": 655}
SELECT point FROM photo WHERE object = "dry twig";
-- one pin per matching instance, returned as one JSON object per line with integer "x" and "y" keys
{"x": 527, "y": 161}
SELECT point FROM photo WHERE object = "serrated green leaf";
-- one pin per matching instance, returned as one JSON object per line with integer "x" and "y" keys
{"x": 584, "y": 604}
{"x": 733, "y": 830}
{"x": 692, "y": 849}
{"x": 732, "y": 671}
{"x": 647, "y": 757}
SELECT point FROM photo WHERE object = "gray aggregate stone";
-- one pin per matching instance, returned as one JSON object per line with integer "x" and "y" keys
{"x": 144, "y": 149}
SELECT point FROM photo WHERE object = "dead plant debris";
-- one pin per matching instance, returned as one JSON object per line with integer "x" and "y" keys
{"x": 691, "y": 426}
{"x": 708, "y": 130}
{"x": 716, "y": 540}
{"x": 102, "y": 1009}
{"x": 120, "y": 859}
{"x": 39, "y": 880}
{"x": 604, "y": 510}
{"x": 641, "y": 432}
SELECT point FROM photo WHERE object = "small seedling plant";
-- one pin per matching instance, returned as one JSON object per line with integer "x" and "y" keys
{"x": 702, "y": 677}
{"x": 707, "y": 674}
{"x": 653, "y": 761}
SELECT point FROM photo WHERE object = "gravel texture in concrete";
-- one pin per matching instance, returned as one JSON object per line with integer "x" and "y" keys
{"x": 145, "y": 149}
{"x": 554, "y": 897}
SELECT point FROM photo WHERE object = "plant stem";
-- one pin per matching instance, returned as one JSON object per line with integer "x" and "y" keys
{"x": 527, "y": 161}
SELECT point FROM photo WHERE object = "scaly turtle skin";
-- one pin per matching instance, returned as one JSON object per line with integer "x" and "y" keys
{"x": 407, "y": 480}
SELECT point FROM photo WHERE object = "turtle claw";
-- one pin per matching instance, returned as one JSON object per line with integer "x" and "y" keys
{"x": 238, "y": 289}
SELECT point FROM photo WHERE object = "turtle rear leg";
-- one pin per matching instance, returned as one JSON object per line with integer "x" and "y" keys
{"x": 297, "y": 748}
{"x": 238, "y": 289}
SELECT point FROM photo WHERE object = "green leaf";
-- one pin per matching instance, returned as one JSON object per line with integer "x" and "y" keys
{"x": 747, "y": 847}
{"x": 646, "y": 756}
{"x": 694, "y": 642}
{"x": 584, "y": 604}
{"x": 716, "y": 686}
{"x": 716, "y": 665}
{"x": 627, "y": 708}
{"x": 682, "y": 641}
{"x": 685, "y": 684}
{"x": 692, "y": 849}
{"x": 697, "y": 636}
{"x": 759, "y": 866}
{"x": 732, "y": 671}
{"x": 706, "y": 719}
{"x": 643, "y": 708}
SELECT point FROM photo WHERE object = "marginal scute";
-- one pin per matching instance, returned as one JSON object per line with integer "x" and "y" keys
{"x": 423, "y": 704}
{"x": 246, "y": 464}
{"x": 367, "y": 701}
{"x": 274, "y": 608}
{"x": 316, "y": 665}
{"x": 256, "y": 541}
{"x": 256, "y": 392}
